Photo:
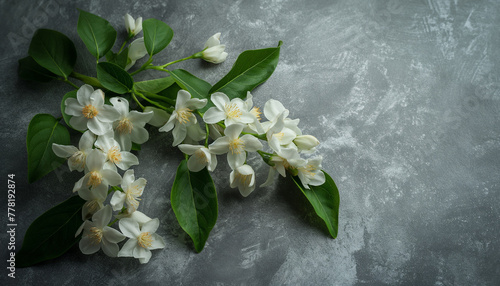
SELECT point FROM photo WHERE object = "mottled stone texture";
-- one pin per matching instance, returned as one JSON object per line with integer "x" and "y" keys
{"x": 403, "y": 95}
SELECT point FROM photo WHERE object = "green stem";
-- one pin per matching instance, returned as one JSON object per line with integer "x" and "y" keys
{"x": 70, "y": 83}
{"x": 177, "y": 61}
{"x": 143, "y": 67}
{"x": 137, "y": 101}
{"x": 156, "y": 96}
{"x": 170, "y": 110}
{"x": 87, "y": 79}
{"x": 208, "y": 133}
{"x": 113, "y": 222}
{"x": 124, "y": 43}
{"x": 261, "y": 136}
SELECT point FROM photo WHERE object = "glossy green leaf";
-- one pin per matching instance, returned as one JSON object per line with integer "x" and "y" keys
{"x": 197, "y": 87}
{"x": 66, "y": 117}
{"x": 114, "y": 78}
{"x": 325, "y": 200}
{"x": 52, "y": 233}
{"x": 155, "y": 85}
{"x": 96, "y": 33}
{"x": 53, "y": 51}
{"x": 29, "y": 69}
{"x": 44, "y": 130}
{"x": 118, "y": 59}
{"x": 252, "y": 68}
{"x": 194, "y": 201}
{"x": 157, "y": 35}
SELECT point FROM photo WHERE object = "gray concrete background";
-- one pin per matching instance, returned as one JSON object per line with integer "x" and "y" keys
{"x": 404, "y": 96}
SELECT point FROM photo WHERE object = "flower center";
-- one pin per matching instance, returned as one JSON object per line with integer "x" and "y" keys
{"x": 125, "y": 126}
{"x": 145, "y": 240}
{"x": 279, "y": 136}
{"x": 114, "y": 155}
{"x": 90, "y": 111}
{"x": 95, "y": 179}
{"x": 78, "y": 158}
{"x": 243, "y": 180}
{"x": 236, "y": 146}
{"x": 232, "y": 111}
{"x": 183, "y": 115}
{"x": 95, "y": 235}
{"x": 92, "y": 207}
{"x": 201, "y": 156}
{"x": 309, "y": 170}
{"x": 133, "y": 192}
{"x": 256, "y": 112}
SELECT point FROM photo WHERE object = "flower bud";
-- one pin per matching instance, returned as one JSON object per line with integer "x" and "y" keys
{"x": 133, "y": 27}
{"x": 136, "y": 50}
{"x": 213, "y": 51}
{"x": 305, "y": 142}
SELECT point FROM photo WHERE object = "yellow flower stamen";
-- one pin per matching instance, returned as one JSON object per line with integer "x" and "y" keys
{"x": 232, "y": 111}
{"x": 244, "y": 180}
{"x": 90, "y": 111}
{"x": 201, "y": 156}
{"x": 95, "y": 179}
{"x": 236, "y": 146}
{"x": 125, "y": 126}
{"x": 145, "y": 240}
{"x": 95, "y": 235}
{"x": 132, "y": 194}
{"x": 114, "y": 155}
{"x": 183, "y": 115}
{"x": 78, "y": 158}
{"x": 256, "y": 112}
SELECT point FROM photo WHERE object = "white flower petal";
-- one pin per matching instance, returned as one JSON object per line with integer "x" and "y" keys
{"x": 196, "y": 103}
{"x": 95, "y": 160}
{"x": 97, "y": 127}
{"x": 73, "y": 107}
{"x": 188, "y": 148}
{"x": 170, "y": 123}
{"x": 128, "y": 248}
{"x": 252, "y": 144}
{"x": 220, "y": 100}
{"x": 108, "y": 113}
{"x": 120, "y": 104}
{"x": 139, "y": 135}
{"x": 195, "y": 164}
{"x": 213, "y": 115}
{"x": 157, "y": 243}
{"x": 179, "y": 134}
{"x": 102, "y": 217}
{"x": 83, "y": 94}
{"x": 151, "y": 226}
{"x": 213, "y": 41}
{"x": 129, "y": 228}
{"x": 236, "y": 160}
{"x": 88, "y": 246}
{"x": 78, "y": 122}
{"x": 128, "y": 160}
{"x": 64, "y": 151}
{"x": 182, "y": 98}
{"x": 111, "y": 177}
{"x": 86, "y": 141}
{"x": 145, "y": 254}
{"x": 219, "y": 146}
{"x": 97, "y": 98}
{"x": 233, "y": 131}
{"x": 272, "y": 109}
{"x": 140, "y": 118}
{"x": 112, "y": 235}
{"x": 109, "y": 248}
{"x": 117, "y": 200}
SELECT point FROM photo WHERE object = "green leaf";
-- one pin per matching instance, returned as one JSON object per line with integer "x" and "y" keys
{"x": 252, "y": 68}
{"x": 136, "y": 147}
{"x": 325, "y": 201}
{"x": 194, "y": 201}
{"x": 29, "y": 69}
{"x": 114, "y": 78}
{"x": 119, "y": 59}
{"x": 53, "y": 51}
{"x": 44, "y": 130}
{"x": 66, "y": 117}
{"x": 157, "y": 35}
{"x": 96, "y": 33}
{"x": 52, "y": 233}
{"x": 171, "y": 91}
{"x": 155, "y": 85}
{"x": 197, "y": 87}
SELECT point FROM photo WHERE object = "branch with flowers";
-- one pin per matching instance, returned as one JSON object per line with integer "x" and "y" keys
{"x": 110, "y": 112}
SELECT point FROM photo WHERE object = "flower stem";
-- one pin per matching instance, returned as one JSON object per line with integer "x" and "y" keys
{"x": 124, "y": 43}
{"x": 152, "y": 102}
{"x": 144, "y": 66}
{"x": 137, "y": 101}
{"x": 70, "y": 83}
{"x": 177, "y": 61}
{"x": 208, "y": 133}
{"x": 87, "y": 79}
{"x": 156, "y": 96}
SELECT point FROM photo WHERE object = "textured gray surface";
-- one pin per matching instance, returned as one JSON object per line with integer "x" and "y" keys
{"x": 404, "y": 97}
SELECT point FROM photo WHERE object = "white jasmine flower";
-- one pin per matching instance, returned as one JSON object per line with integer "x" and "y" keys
{"x": 89, "y": 111}
{"x": 213, "y": 51}
{"x": 97, "y": 234}
{"x": 280, "y": 130}
{"x": 97, "y": 177}
{"x": 115, "y": 157}
{"x": 133, "y": 27}
{"x": 183, "y": 116}
{"x": 200, "y": 157}
{"x": 231, "y": 111}
{"x": 310, "y": 172}
{"x": 132, "y": 190}
{"x": 235, "y": 146}
{"x": 141, "y": 239}
{"x": 243, "y": 177}
{"x": 76, "y": 156}
{"x": 194, "y": 134}
{"x": 136, "y": 51}
{"x": 160, "y": 116}
{"x": 130, "y": 125}
{"x": 281, "y": 164}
